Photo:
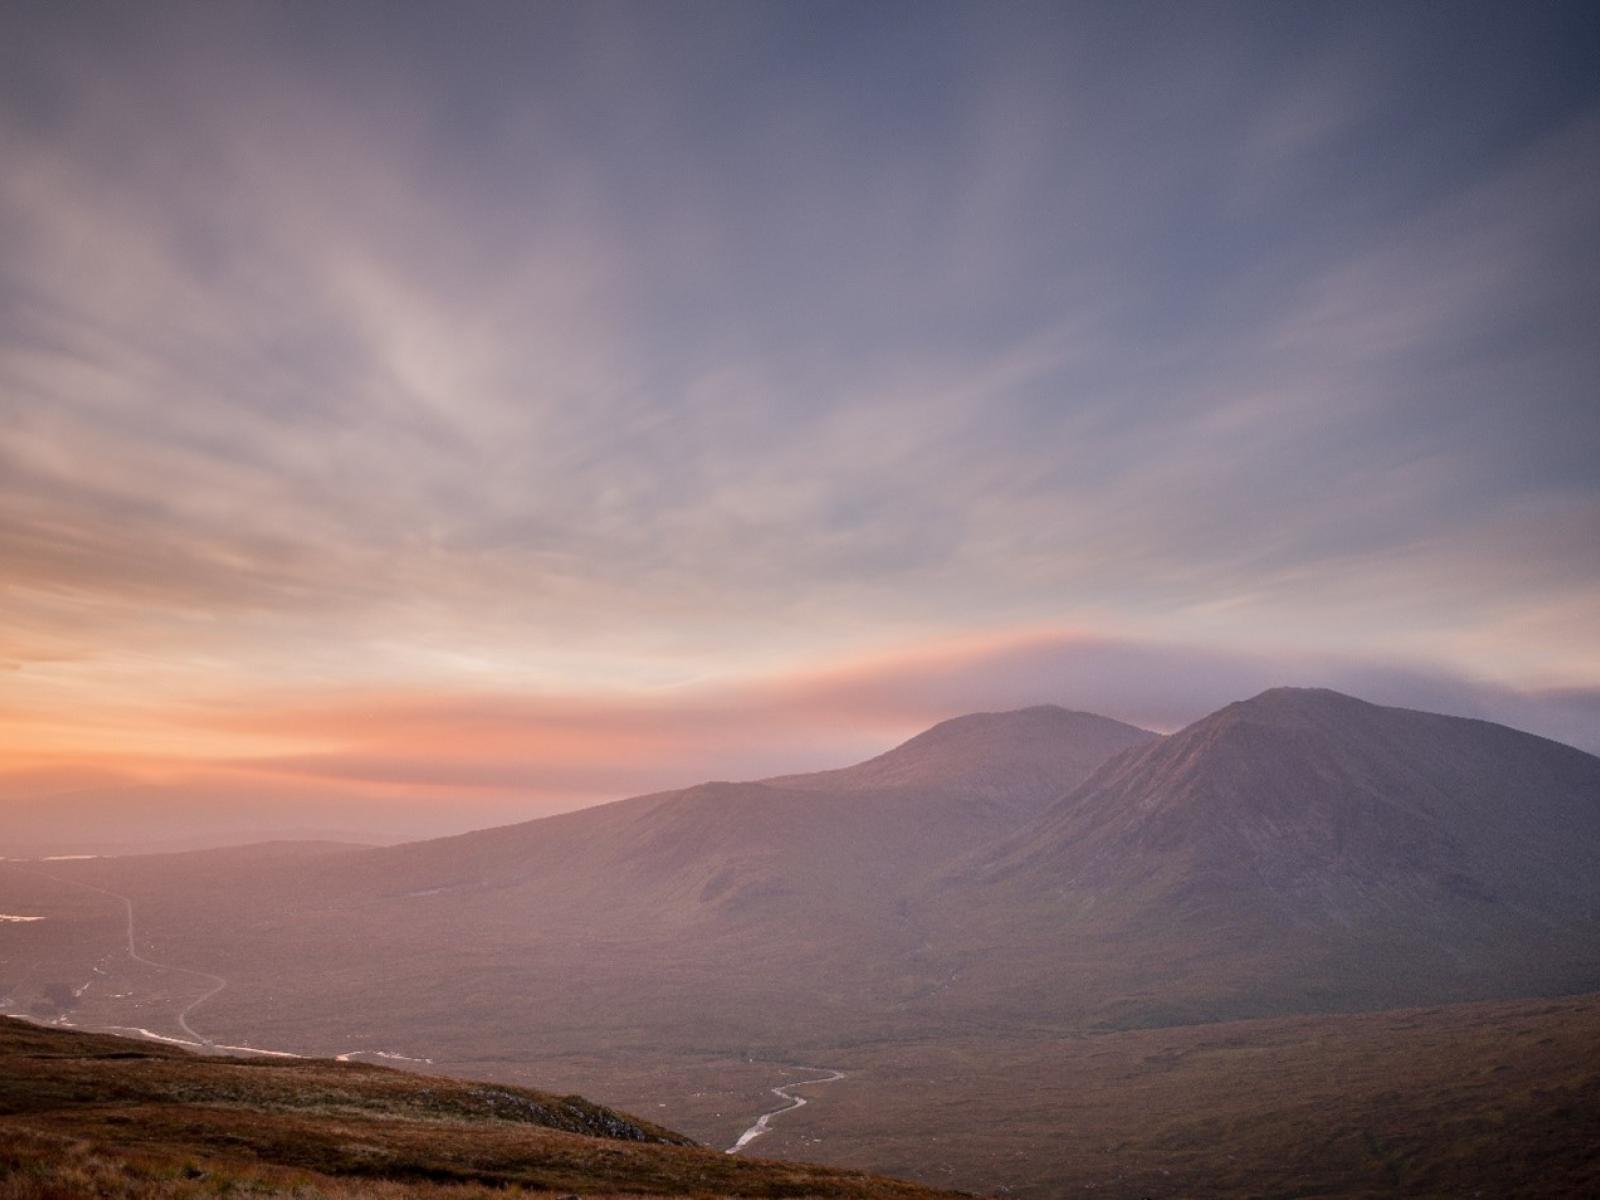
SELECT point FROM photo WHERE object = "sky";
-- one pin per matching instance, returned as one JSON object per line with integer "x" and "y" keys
{"x": 414, "y": 416}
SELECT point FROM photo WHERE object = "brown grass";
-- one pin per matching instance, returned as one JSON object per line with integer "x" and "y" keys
{"x": 1498, "y": 1100}
{"x": 84, "y": 1115}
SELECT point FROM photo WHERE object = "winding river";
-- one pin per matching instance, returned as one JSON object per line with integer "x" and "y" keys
{"x": 784, "y": 1092}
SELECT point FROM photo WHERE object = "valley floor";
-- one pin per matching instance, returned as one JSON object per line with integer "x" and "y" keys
{"x": 1497, "y": 1097}
{"x": 1494, "y": 1099}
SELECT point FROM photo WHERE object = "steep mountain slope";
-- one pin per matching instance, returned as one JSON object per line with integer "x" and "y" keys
{"x": 1302, "y": 851}
{"x": 1310, "y": 787}
{"x": 894, "y": 817}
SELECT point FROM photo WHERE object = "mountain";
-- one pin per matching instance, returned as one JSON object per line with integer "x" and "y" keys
{"x": 720, "y": 914}
{"x": 86, "y": 1115}
{"x": 834, "y": 845}
{"x": 1302, "y": 851}
{"x": 1014, "y": 759}
{"x": 969, "y": 777}
{"x": 1306, "y": 851}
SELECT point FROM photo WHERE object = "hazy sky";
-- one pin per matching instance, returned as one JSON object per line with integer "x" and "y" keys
{"x": 519, "y": 404}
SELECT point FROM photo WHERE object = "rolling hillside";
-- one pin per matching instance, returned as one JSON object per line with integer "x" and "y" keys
{"x": 92, "y": 1115}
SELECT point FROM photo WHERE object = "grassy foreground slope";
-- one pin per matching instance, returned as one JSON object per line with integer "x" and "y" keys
{"x": 91, "y": 1115}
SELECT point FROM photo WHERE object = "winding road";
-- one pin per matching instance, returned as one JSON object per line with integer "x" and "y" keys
{"x": 217, "y": 982}
{"x": 786, "y": 1092}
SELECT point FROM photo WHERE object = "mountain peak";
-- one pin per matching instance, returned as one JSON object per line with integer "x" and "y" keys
{"x": 1290, "y": 707}
{"x": 1323, "y": 788}
{"x": 1299, "y": 699}
{"x": 1036, "y": 718}
{"x": 1036, "y": 753}
{"x": 1291, "y": 694}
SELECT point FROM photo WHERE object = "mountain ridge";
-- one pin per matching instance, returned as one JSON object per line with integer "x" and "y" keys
{"x": 1300, "y": 851}
{"x": 954, "y": 753}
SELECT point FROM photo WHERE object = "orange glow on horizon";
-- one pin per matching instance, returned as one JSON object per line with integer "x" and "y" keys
{"x": 409, "y": 738}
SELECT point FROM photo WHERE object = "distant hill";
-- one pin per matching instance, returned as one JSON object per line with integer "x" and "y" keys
{"x": 58, "y": 812}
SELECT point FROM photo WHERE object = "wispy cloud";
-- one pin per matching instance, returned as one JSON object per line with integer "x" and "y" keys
{"x": 615, "y": 353}
{"x": 539, "y": 749}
